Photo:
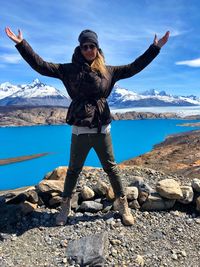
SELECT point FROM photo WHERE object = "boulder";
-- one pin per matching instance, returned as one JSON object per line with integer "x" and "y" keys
{"x": 87, "y": 193}
{"x": 49, "y": 186}
{"x": 30, "y": 196}
{"x": 155, "y": 203}
{"x": 55, "y": 201}
{"x": 196, "y": 184}
{"x": 27, "y": 207}
{"x": 142, "y": 197}
{"x": 136, "y": 181}
{"x": 134, "y": 204}
{"x": 198, "y": 203}
{"x": 100, "y": 188}
{"x": 188, "y": 195}
{"x": 131, "y": 192}
{"x": 169, "y": 188}
{"x": 91, "y": 206}
{"x": 57, "y": 174}
{"x": 110, "y": 195}
{"x": 88, "y": 251}
{"x": 75, "y": 198}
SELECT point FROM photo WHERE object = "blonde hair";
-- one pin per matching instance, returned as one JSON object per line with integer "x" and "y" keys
{"x": 99, "y": 64}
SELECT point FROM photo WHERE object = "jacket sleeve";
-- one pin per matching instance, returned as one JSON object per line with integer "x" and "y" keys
{"x": 37, "y": 63}
{"x": 126, "y": 71}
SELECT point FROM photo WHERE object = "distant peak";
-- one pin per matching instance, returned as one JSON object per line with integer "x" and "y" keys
{"x": 36, "y": 81}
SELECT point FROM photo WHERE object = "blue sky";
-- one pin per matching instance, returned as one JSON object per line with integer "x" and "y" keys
{"x": 125, "y": 30}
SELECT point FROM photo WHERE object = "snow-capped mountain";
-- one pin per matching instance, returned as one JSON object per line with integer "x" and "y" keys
{"x": 40, "y": 94}
{"x": 33, "y": 94}
{"x": 123, "y": 98}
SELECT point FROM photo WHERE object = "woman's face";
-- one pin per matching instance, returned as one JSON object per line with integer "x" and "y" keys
{"x": 89, "y": 51}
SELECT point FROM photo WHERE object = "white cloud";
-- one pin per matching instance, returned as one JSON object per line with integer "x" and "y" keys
{"x": 10, "y": 58}
{"x": 190, "y": 63}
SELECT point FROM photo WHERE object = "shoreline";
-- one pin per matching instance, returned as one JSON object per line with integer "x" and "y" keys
{"x": 21, "y": 158}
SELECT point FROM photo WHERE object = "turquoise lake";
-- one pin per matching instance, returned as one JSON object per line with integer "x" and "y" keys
{"x": 130, "y": 139}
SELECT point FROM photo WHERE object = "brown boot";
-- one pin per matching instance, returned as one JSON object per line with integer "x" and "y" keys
{"x": 121, "y": 205}
{"x": 61, "y": 218}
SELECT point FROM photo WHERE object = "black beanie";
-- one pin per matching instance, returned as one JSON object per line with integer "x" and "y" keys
{"x": 88, "y": 36}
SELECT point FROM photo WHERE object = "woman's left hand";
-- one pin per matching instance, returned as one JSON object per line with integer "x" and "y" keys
{"x": 161, "y": 41}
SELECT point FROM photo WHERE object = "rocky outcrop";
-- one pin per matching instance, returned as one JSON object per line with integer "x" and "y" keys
{"x": 178, "y": 154}
{"x": 27, "y": 116}
{"x": 88, "y": 198}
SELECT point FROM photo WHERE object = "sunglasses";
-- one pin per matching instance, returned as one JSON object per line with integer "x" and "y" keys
{"x": 86, "y": 47}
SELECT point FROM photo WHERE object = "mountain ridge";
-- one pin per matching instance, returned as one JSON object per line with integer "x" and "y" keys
{"x": 37, "y": 93}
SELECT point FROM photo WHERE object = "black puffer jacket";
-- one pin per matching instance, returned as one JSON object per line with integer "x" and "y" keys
{"x": 87, "y": 89}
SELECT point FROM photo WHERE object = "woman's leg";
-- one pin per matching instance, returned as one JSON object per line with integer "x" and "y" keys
{"x": 103, "y": 147}
{"x": 80, "y": 147}
{"x": 102, "y": 144}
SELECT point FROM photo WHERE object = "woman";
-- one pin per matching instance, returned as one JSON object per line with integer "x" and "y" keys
{"x": 89, "y": 82}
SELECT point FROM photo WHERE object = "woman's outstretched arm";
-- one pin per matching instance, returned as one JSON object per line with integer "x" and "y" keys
{"x": 126, "y": 71}
{"x": 33, "y": 59}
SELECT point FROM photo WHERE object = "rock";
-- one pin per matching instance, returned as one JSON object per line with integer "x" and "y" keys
{"x": 136, "y": 181}
{"x": 131, "y": 192}
{"x": 55, "y": 201}
{"x": 110, "y": 194}
{"x": 115, "y": 242}
{"x": 142, "y": 197}
{"x": 88, "y": 251}
{"x": 4, "y": 236}
{"x": 100, "y": 188}
{"x": 75, "y": 198}
{"x": 196, "y": 184}
{"x": 32, "y": 196}
{"x": 91, "y": 206}
{"x": 155, "y": 203}
{"x": 27, "y": 207}
{"x": 188, "y": 194}
{"x": 140, "y": 260}
{"x": 17, "y": 199}
{"x": 57, "y": 174}
{"x": 169, "y": 188}
{"x": 49, "y": 186}
{"x": 198, "y": 203}
{"x": 2, "y": 200}
{"x": 107, "y": 205}
{"x": 87, "y": 193}
{"x": 134, "y": 205}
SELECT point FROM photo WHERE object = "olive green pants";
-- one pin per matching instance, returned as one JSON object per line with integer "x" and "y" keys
{"x": 80, "y": 147}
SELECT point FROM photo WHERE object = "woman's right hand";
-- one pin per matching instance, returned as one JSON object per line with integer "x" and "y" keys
{"x": 15, "y": 38}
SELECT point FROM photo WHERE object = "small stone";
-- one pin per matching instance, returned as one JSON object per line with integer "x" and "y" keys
{"x": 87, "y": 193}
{"x": 63, "y": 243}
{"x": 64, "y": 260}
{"x": 174, "y": 256}
{"x": 140, "y": 260}
{"x": 197, "y": 220}
{"x": 131, "y": 192}
{"x": 110, "y": 195}
{"x": 134, "y": 205}
{"x": 115, "y": 242}
{"x": 196, "y": 184}
{"x": 188, "y": 194}
{"x": 198, "y": 203}
{"x": 183, "y": 253}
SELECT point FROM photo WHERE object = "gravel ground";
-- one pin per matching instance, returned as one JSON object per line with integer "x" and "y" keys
{"x": 167, "y": 238}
